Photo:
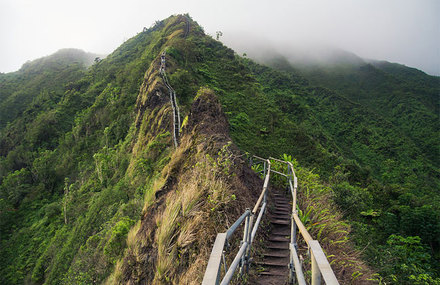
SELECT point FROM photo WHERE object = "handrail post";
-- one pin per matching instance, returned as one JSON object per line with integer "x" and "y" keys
{"x": 243, "y": 264}
{"x": 293, "y": 230}
{"x": 316, "y": 274}
{"x": 249, "y": 241}
{"x": 249, "y": 234}
{"x": 225, "y": 266}
{"x": 291, "y": 269}
{"x": 265, "y": 198}
{"x": 212, "y": 273}
{"x": 264, "y": 169}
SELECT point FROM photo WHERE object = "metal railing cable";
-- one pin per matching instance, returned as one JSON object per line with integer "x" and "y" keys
{"x": 320, "y": 267}
{"x": 176, "y": 114}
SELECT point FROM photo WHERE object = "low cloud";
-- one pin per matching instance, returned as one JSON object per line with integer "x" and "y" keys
{"x": 403, "y": 31}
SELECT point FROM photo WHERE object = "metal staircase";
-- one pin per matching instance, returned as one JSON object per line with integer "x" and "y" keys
{"x": 281, "y": 246}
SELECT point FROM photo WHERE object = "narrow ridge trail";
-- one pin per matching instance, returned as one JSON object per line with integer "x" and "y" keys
{"x": 187, "y": 26}
{"x": 176, "y": 114}
{"x": 273, "y": 265}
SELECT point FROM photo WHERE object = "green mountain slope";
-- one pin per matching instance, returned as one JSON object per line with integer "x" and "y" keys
{"x": 385, "y": 117}
{"x": 93, "y": 190}
{"x": 39, "y": 81}
{"x": 406, "y": 97}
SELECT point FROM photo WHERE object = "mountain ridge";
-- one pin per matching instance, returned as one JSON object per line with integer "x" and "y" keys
{"x": 81, "y": 193}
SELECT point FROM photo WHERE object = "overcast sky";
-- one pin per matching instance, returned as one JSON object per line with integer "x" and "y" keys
{"x": 403, "y": 31}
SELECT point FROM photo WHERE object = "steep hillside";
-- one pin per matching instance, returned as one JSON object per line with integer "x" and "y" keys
{"x": 39, "y": 82}
{"x": 51, "y": 193}
{"x": 205, "y": 183}
{"x": 93, "y": 189}
{"x": 385, "y": 118}
{"x": 406, "y": 97}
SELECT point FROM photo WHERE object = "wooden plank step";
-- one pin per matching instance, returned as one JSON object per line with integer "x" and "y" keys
{"x": 286, "y": 209}
{"x": 281, "y": 231}
{"x": 272, "y": 273}
{"x": 276, "y": 238}
{"x": 285, "y": 235}
{"x": 271, "y": 280}
{"x": 277, "y": 220}
{"x": 284, "y": 198}
{"x": 283, "y": 210}
{"x": 281, "y": 202}
{"x": 275, "y": 253}
{"x": 272, "y": 263}
{"x": 280, "y": 213}
{"x": 276, "y": 259}
{"x": 282, "y": 206}
{"x": 280, "y": 222}
{"x": 278, "y": 245}
{"x": 275, "y": 271}
{"x": 278, "y": 216}
{"x": 280, "y": 196}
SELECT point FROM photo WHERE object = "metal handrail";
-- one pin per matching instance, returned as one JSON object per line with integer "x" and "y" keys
{"x": 234, "y": 226}
{"x": 263, "y": 194}
{"x": 234, "y": 264}
{"x": 320, "y": 266}
{"x": 213, "y": 269}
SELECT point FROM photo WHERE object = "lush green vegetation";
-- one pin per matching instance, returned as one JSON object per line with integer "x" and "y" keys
{"x": 76, "y": 167}
{"x": 384, "y": 117}
{"x": 67, "y": 200}
{"x": 384, "y": 180}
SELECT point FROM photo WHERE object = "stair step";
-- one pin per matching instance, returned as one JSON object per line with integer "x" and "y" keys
{"x": 280, "y": 222}
{"x": 279, "y": 253}
{"x": 280, "y": 230}
{"x": 278, "y": 245}
{"x": 284, "y": 235}
{"x": 272, "y": 263}
{"x": 281, "y": 238}
{"x": 281, "y": 212}
{"x": 270, "y": 280}
{"x": 274, "y": 260}
{"x": 282, "y": 217}
{"x": 283, "y": 198}
{"x": 278, "y": 214}
{"x": 283, "y": 207}
{"x": 274, "y": 272}
{"x": 285, "y": 202}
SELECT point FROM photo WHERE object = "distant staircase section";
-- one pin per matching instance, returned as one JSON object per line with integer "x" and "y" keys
{"x": 280, "y": 263}
{"x": 176, "y": 114}
{"x": 186, "y": 32}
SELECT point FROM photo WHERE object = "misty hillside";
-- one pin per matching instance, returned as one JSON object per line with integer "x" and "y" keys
{"x": 39, "y": 79}
{"x": 94, "y": 190}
